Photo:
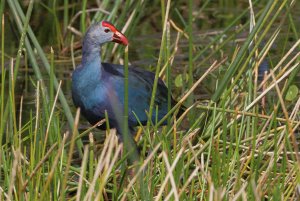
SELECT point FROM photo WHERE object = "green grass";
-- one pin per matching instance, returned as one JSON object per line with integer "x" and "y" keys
{"x": 237, "y": 140}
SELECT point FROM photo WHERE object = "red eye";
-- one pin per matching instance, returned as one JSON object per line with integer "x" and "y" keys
{"x": 106, "y": 30}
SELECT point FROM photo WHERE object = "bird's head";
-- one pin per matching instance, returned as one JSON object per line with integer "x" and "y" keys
{"x": 103, "y": 32}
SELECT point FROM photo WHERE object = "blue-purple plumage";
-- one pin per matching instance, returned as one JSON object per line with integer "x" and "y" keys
{"x": 98, "y": 87}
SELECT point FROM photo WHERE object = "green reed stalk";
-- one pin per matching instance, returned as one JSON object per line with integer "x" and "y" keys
{"x": 66, "y": 15}
{"x": 51, "y": 82}
{"x": 83, "y": 16}
{"x": 2, "y": 4}
{"x": 91, "y": 159}
{"x": 166, "y": 54}
{"x": 22, "y": 39}
{"x": 70, "y": 156}
{"x": 59, "y": 38}
{"x": 49, "y": 107}
{"x": 129, "y": 143}
{"x": 125, "y": 114}
{"x": 12, "y": 104}
{"x": 122, "y": 17}
{"x": 190, "y": 99}
{"x": 2, "y": 86}
{"x": 168, "y": 71}
{"x": 81, "y": 191}
{"x": 100, "y": 15}
{"x": 112, "y": 14}
{"x": 107, "y": 122}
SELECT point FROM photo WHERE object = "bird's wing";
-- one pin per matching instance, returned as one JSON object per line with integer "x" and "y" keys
{"x": 140, "y": 90}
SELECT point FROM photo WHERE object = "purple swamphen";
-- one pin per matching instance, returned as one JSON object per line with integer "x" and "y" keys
{"x": 98, "y": 87}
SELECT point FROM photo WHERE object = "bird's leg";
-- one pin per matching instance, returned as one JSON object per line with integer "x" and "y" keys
{"x": 129, "y": 145}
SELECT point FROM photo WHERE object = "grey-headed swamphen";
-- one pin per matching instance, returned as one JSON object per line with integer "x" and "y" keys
{"x": 98, "y": 87}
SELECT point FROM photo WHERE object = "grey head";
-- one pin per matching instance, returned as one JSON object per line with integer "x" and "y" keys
{"x": 103, "y": 32}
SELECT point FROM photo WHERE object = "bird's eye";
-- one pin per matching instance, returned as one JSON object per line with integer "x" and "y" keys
{"x": 106, "y": 30}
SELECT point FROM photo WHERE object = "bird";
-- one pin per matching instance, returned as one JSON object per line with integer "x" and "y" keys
{"x": 98, "y": 87}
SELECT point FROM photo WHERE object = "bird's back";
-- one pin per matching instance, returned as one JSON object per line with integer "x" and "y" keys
{"x": 140, "y": 89}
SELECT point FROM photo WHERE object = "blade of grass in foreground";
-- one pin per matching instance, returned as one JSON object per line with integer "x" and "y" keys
{"x": 128, "y": 139}
{"x": 129, "y": 143}
{"x": 190, "y": 99}
{"x": 3, "y": 72}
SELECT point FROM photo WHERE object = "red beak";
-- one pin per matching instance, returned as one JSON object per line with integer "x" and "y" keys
{"x": 120, "y": 38}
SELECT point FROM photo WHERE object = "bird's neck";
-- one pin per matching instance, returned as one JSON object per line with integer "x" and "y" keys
{"x": 90, "y": 53}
